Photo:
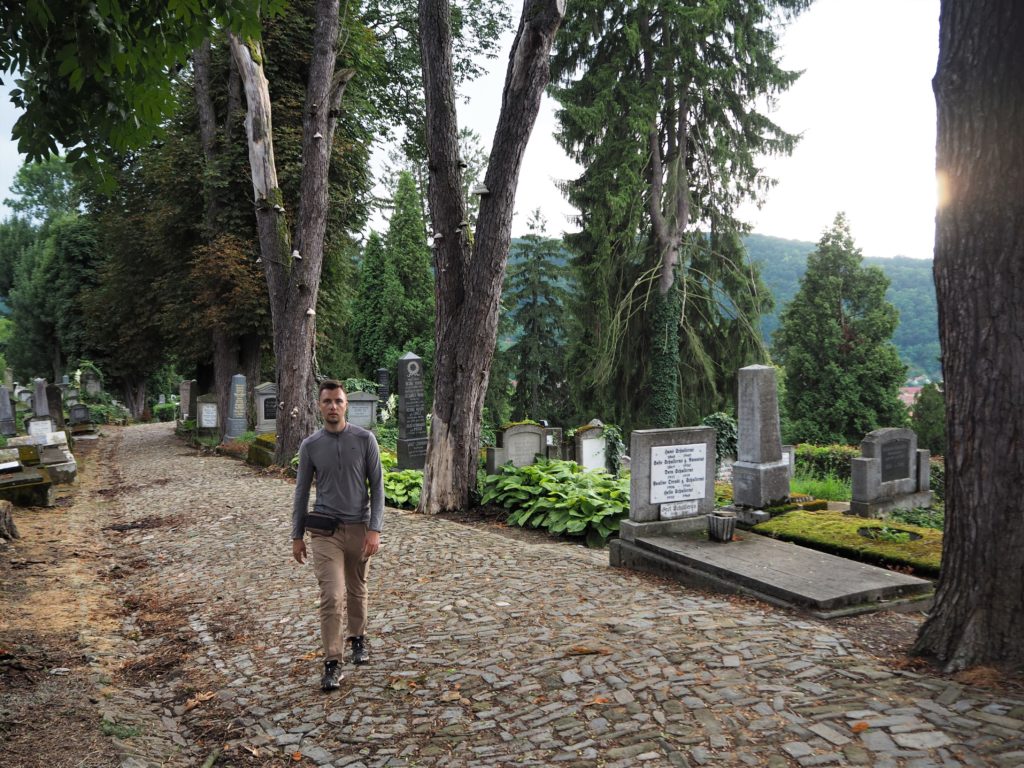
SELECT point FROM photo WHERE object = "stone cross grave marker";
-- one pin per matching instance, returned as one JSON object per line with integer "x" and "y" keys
{"x": 238, "y": 401}
{"x": 412, "y": 413}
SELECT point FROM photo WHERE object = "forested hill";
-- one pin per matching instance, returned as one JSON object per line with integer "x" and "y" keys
{"x": 911, "y": 290}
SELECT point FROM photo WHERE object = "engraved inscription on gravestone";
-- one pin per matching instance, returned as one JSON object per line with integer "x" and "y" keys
{"x": 522, "y": 449}
{"x": 678, "y": 472}
{"x": 238, "y": 399}
{"x": 679, "y": 509}
{"x": 270, "y": 408}
{"x": 207, "y": 415}
{"x": 895, "y": 460}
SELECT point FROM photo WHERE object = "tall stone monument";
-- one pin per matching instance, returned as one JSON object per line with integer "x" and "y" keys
{"x": 760, "y": 475}
{"x": 7, "y": 424}
{"x": 412, "y": 413}
{"x": 383, "y": 384}
{"x": 237, "y": 420}
{"x": 55, "y": 403}
{"x": 40, "y": 403}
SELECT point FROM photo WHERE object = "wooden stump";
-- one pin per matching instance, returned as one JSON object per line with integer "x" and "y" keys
{"x": 7, "y": 528}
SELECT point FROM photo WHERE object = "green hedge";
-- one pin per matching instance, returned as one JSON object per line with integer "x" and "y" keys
{"x": 822, "y": 460}
{"x": 164, "y": 411}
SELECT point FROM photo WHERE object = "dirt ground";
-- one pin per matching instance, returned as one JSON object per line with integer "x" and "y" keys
{"x": 59, "y": 586}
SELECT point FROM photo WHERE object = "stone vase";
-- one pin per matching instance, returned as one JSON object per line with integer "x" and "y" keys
{"x": 721, "y": 526}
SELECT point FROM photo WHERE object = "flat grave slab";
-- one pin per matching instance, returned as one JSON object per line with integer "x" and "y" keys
{"x": 778, "y": 571}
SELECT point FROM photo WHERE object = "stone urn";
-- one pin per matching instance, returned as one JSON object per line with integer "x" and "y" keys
{"x": 721, "y": 525}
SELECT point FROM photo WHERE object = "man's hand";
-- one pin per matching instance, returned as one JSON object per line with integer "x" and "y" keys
{"x": 371, "y": 544}
{"x": 299, "y": 550}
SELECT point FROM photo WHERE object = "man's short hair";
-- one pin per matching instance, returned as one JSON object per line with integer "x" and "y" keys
{"x": 330, "y": 384}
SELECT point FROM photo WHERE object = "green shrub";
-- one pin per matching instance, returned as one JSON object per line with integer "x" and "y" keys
{"x": 403, "y": 488}
{"x": 937, "y": 477}
{"x": 560, "y": 497}
{"x": 726, "y": 434}
{"x": 164, "y": 411}
{"x": 824, "y": 460}
{"x": 934, "y": 518}
{"x": 388, "y": 459}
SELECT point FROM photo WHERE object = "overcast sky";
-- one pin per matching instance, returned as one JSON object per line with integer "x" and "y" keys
{"x": 864, "y": 107}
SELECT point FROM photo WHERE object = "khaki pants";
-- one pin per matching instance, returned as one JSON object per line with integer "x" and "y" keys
{"x": 338, "y": 563}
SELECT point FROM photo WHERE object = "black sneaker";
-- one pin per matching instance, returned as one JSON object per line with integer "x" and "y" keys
{"x": 359, "y": 653}
{"x": 332, "y": 676}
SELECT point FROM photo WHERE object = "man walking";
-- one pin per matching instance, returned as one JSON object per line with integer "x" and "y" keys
{"x": 344, "y": 525}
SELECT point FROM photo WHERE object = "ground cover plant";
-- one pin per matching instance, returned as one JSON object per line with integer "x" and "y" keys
{"x": 881, "y": 542}
{"x": 560, "y": 497}
{"x": 828, "y": 487}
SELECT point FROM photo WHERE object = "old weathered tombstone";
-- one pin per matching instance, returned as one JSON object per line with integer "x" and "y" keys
{"x": 362, "y": 409}
{"x": 193, "y": 400}
{"x": 412, "y": 413}
{"x": 183, "y": 392}
{"x": 37, "y": 426}
{"x": 237, "y": 421}
{"x": 162, "y": 400}
{"x": 553, "y": 442}
{"x": 266, "y": 407}
{"x": 8, "y": 427}
{"x": 207, "y": 414}
{"x": 91, "y": 383}
{"x": 891, "y": 473}
{"x": 760, "y": 476}
{"x": 40, "y": 403}
{"x": 55, "y": 403}
{"x": 519, "y": 444}
{"x": 383, "y": 384}
{"x": 79, "y": 414}
{"x": 591, "y": 446}
{"x": 70, "y": 396}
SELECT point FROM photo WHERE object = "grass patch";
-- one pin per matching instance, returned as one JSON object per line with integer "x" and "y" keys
{"x": 830, "y": 487}
{"x": 119, "y": 731}
{"x": 842, "y": 535}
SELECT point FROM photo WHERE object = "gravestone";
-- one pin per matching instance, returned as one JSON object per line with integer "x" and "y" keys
{"x": 891, "y": 473}
{"x": 362, "y": 409}
{"x": 23, "y": 394}
{"x": 266, "y": 407}
{"x": 91, "y": 383}
{"x": 70, "y": 396}
{"x": 162, "y": 400}
{"x": 383, "y": 384}
{"x": 207, "y": 415}
{"x": 237, "y": 420}
{"x": 760, "y": 476}
{"x": 55, "y": 403}
{"x": 591, "y": 447}
{"x": 553, "y": 441}
{"x": 183, "y": 392}
{"x": 7, "y": 424}
{"x": 38, "y": 426}
{"x": 79, "y": 414}
{"x": 412, "y": 413}
{"x": 519, "y": 444}
{"x": 192, "y": 401}
{"x": 671, "y": 483}
{"x": 9, "y": 379}
{"x": 40, "y": 403}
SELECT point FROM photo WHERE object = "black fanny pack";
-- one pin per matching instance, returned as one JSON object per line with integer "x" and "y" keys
{"x": 321, "y": 524}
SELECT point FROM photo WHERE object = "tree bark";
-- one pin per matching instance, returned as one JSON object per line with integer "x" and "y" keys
{"x": 8, "y": 530}
{"x": 293, "y": 276}
{"x": 469, "y": 276}
{"x": 978, "y": 617}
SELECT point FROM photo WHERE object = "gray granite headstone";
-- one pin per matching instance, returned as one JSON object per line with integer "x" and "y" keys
{"x": 760, "y": 476}
{"x": 207, "y": 416}
{"x": 7, "y": 424}
{"x": 40, "y": 403}
{"x": 183, "y": 391}
{"x": 383, "y": 384}
{"x": 55, "y": 403}
{"x": 237, "y": 421}
{"x": 362, "y": 409}
{"x": 91, "y": 383}
{"x": 23, "y": 394}
{"x": 193, "y": 400}
{"x": 79, "y": 414}
{"x": 266, "y": 407}
{"x": 412, "y": 413}
{"x": 891, "y": 473}
{"x": 672, "y": 480}
{"x": 38, "y": 426}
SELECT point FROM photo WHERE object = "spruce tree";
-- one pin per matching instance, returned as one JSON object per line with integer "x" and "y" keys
{"x": 375, "y": 326}
{"x": 843, "y": 372}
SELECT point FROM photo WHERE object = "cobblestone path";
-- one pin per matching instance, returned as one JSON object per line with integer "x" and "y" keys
{"x": 486, "y": 651}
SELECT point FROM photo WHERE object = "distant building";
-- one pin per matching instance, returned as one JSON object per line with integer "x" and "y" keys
{"x": 909, "y": 395}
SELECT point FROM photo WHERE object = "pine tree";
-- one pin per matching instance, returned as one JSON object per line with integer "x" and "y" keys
{"x": 406, "y": 249}
{"x": 375, "y": 325}
{"x": 842, "y": 371}
{"x": 536, "y": 294}
{"x": 929, "y": 419}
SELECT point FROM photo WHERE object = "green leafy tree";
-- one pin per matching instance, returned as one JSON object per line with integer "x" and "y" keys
{"x": 659, "y": 105}
{"x": 842, "y": 371}
{"x": 374, "y": 328}
{"x": 16, "y": 235}
{"x": 536, "y": 295}
{"x": 929, "y": 419}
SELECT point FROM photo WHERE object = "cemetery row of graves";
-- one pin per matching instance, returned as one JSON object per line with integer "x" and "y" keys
{"x": 583, "y": 483}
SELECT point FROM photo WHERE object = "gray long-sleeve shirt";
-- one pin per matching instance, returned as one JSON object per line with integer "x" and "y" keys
{"x": 344, "y": 463}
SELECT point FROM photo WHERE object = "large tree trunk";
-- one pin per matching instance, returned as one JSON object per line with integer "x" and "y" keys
{"x": 470, "y": 277}
{"x": 293, "y": 276}
{"x": 225, "y": 365}
{"x": 978, "y": 616}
